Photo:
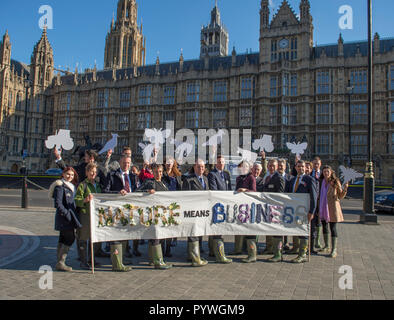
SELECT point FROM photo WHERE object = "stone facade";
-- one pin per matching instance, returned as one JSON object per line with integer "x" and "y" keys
{"x": 290, "y": 89}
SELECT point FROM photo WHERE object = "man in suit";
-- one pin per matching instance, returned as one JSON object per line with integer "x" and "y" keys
{"x": 119, "y": 182}
{"x": 303, "y": 183}
{"x": 282, "y": 164}
{"x": 219, "y": 179}
{"x": 196, "y": 181}
{"x": 316, "y": 173}
{"x": 274, "y": 182}
{"x": 256, "y": 171}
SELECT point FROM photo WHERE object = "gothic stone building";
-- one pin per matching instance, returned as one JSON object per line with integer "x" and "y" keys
{"x": 290, "y": 89}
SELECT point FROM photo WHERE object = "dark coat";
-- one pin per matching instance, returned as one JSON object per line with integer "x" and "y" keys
{"x": 275, "y": 184}
{"x": 115, "y": 182}
{"x": 66, "y": 212}
{"x": 193, "y": 183}
{"x": 259, "y": 184}
{"x": 179, "y": 181}
{"x": 307, "y": 185}
{"x": 246, "y": 182}
{"x": 152, "y": 184}
{"x": 217, "y": 183}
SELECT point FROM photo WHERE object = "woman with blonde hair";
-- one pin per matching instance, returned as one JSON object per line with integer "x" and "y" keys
{"x": 330, "y": 212}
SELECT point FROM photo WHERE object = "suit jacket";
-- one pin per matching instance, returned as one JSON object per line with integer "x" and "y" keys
{"x": 259, "y": 184}
{"x": 313, "y": 174}
{"x": 217, "y": 183}
{"x": 275, "y": 184}
{"x": 306, "y": 185}
{"x": 115, "y": 182}
{"x": 193, "y": 183}
{"x": 152, "y": 184}
{"x": 246, "y": 182}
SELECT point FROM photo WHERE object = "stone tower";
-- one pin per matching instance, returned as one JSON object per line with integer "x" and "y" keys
{"x": 5, "y": 51}
{"x": 214, "y": 37}
{"x": 125, "y": 45}
{"x": 42, "y": 64}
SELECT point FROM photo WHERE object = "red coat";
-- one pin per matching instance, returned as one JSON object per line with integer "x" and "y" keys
{"x": 144, "y": 175}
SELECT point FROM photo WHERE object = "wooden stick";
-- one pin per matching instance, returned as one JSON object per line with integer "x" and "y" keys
{"x": 92, "y": 253}
{"x": 91, "y": 242}
{"x": 309, "y": 242}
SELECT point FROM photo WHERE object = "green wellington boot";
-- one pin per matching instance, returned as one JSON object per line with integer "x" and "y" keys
{"x": 61, "y": 263}
{"x": 117, "y": 258}
{"x": 238, "y": 241}
{"x": 326, "y": 248}
{"x": 218, "y": 248}
{"x": 189, "y": 255}
{"x": 296, "y": 246}
{"x": 317, "y": 240}
{"x": 157, "y": 255}
{"x": 268, "y": 245}
{"x": 150, "y": 254}
{"x": 334, "y": 241}
{"x": 252, "y": 251}
{"x": 277, "y": 246}
{"x": 194, "y": 252}
{"x": 302, "y": 254}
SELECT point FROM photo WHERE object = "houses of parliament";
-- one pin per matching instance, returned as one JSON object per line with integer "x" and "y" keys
{"x": 290, "y": 89}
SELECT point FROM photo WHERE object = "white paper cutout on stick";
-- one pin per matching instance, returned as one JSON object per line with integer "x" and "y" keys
{"x": 156, "y": 137}
{"x": 61, "y": 140}
{"x": 349, "y": 175}
{"x": 111, "y": 144}
{"x": 183, "y": 149}
{"x": 263, "y": 144}
{"x": 147, "y": 150}
{"x": 247, "y": 155}
{"x": 297, "y": 148}
{"x": 215, "y": 139}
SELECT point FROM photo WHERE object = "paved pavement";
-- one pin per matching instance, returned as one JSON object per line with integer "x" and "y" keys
{"x": 28, "y": 242}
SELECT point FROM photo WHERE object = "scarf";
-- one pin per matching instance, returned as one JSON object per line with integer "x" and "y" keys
{"x": 323, "y": 204}
{"x": 70, "y": 186}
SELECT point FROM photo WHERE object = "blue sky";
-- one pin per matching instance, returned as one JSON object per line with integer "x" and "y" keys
{"x": 80, "y": 27}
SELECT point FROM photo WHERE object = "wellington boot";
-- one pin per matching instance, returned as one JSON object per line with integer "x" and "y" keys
{"x": 194, "y": 252}
{"x": 268, "y": 245}
{"x": 334, "y": 241}
{"x": 83, "y": 251}
{"x": 61, "y": 263}
{"x": 317, "y": 243}
{"x": 59, "y": 245}
{"x": 277, "y": 246}
{"x": 218, "y": 248}
{"x": 126, "y": 249}
{"x": 238, "y": 241}
{"x": 302, "y": 254}
{"x": 296, "y": 246}
{"x": 326, "y": 248}
{"x": 158, "y": 261}
{"x": 252, "y": 251}
{"x": 117, "y": 258}
{"x": 150, "y": 254}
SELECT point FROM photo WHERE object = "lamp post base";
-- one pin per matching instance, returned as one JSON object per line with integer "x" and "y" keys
{"x": 368, "y": 216}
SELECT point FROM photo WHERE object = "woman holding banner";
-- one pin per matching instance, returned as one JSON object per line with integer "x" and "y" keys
{"x": 172, "y": 177}
{"x": 82, "y": 200}
{"x": 330, "y": 211}
{"x": 246, "y": 182}
{"x": 66, "y": 221}
{"x": 154, "y": 245}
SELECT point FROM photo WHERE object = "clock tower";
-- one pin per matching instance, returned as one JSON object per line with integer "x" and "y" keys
{"x": 287, "y": 37}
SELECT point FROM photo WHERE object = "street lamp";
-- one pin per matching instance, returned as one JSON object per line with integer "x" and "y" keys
{"x": 368, "y": 215}
{"x": 349, "y": 90}
{"x": 25, "y": 200}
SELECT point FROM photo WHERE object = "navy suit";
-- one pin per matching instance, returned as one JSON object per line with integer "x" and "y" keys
{"x": 115, "y": 182}
{"x": 307, "y": 185}
{"x": 216, "y": 181}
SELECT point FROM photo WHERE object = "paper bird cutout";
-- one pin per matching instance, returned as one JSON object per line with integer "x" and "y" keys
{"x": 263, "y": 144}
{"x": 349, "y": 174}
{"x": 215, "y": 139}
{"x": 111, "y": 144}
{"x": 61, "y": 140}
{"x": 246, "y": 155}
{"x": 297, "y": 148}
{"x": 183, "y": 149}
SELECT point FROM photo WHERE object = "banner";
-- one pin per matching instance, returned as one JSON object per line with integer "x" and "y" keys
{"x": 197, "y": 213}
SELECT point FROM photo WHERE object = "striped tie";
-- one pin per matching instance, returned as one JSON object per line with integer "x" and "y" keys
{"x": 297, "y": 184}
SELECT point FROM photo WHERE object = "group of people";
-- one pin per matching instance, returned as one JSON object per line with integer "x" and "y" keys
{"x": 74, "y": 191}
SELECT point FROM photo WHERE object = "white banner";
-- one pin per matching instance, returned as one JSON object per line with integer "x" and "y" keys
{"x": 197, "y": 213}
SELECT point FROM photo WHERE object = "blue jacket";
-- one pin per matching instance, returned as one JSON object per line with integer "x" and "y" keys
{"x": 66, "y": 218}
{"x": 307, "y": 185}
{"x": 217, "y": 183}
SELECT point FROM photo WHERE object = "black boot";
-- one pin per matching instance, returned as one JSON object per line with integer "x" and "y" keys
{"x": 99, "y": 252}
{"x": 135, "y": 248}
{"x": 83, "y": 245}
{"x": 168, "y": 248}
{"x": 200, "y": 244}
